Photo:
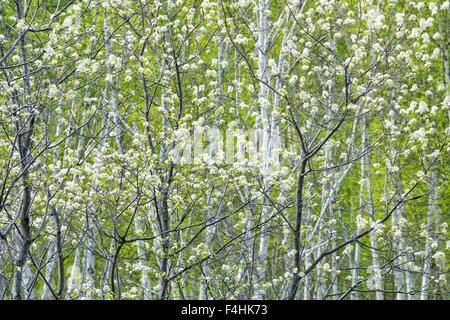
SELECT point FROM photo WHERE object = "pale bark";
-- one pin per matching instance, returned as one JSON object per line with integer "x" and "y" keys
{"x": 3, "y": 288}
{"x": 368, "y": 206}
{"x": 357, "y": 254}
{"x": 406, "y": 261}
{"x": 89, "y": 264}
{"x": 213, "y": 151}
{"x": 432, "y": 212}
{"x": 49, "y": 271}
{"x": 410, "y": 276}
{"x": 209, "y": 238}
{"x": 399, "y": 276}
{"x": 145, "y": 280}
{"x": 113, "y": 102}
{"x": 162, "y": 204}
{"x": 308, "y": 278}
{"x": 24, "y": 147}
{"x": 74, "y": 282}
{"x": 263, "y": 47}
{"x": 52, "y": 251}
{"x": 356, "y": 263}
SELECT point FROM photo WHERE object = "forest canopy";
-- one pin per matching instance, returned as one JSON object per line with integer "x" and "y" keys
{"x": 224, "y": 149}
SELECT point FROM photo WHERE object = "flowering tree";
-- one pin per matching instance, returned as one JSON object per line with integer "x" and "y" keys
{"x": 224, "y": 149}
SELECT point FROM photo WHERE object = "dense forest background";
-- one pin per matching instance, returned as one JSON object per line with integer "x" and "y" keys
{"x": 228, "y": 149}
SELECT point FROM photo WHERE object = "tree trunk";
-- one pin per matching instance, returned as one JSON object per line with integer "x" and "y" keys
{"x": 432, "y": 210}
{"x": 263, "y": 102}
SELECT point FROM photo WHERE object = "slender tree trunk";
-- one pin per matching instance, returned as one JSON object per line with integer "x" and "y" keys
{"x": 263, "y": 47}
{"x": 145, "y": 280}
{"x": 3, "y": 287}
{"x": 49, "y": 271}
{"x": 367, "y": 205}
{"x": 164, "y": 284}
{"x": 162, "y": 204}
{"x": 89, "y": 265}
{"x": 431, "y": 214}
{"x": 297, "y": 231}
{"x": 334, "y": 261}
{"x": 74, "y": 282}
{"x": 406, "y": 262}
{"x": 399, "y": 276}
{"x": 24, "y": 147}
{"x": 52, "y": 255}
{"x": 213, "y": 151}
{"x": 308, "y": 278}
